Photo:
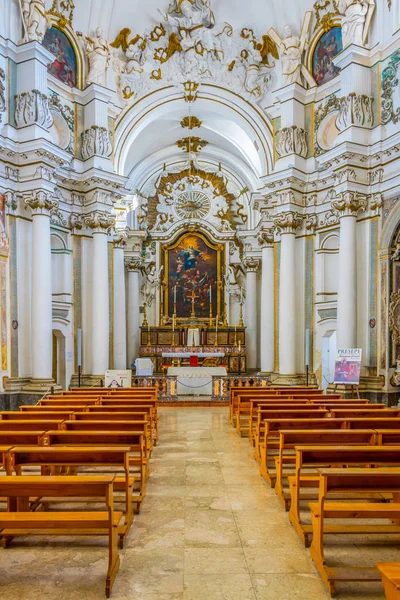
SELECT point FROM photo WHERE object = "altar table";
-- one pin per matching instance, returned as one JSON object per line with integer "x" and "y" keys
{"x": 189, "y": 354}
{"x": 195, "y": 381}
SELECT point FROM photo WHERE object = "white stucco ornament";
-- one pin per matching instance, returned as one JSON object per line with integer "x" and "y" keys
{"x": 98, "y": 53}
{"x": 36, "y": 21}
{"x": 356, "y": 20}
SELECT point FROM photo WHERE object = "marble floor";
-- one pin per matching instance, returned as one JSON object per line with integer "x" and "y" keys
{"x": 209, "y": 529}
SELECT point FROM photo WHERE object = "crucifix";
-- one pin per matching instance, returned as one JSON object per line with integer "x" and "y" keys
{"x": 193, "y": 297}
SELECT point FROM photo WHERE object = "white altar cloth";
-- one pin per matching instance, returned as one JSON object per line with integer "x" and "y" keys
{"x": 195, "y": 381}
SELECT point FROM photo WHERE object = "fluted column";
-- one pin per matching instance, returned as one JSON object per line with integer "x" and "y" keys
{"x": 266, "y": 241}
{"x": 119, "y": 301}
{"x": 100, "y": 223}
{"x": 251, "y": 265}
{"x": 133, "y": 265}
{"x": 41, "y": 203}
{"x": 348, "y": 204}
{"x": 287, "y": 224}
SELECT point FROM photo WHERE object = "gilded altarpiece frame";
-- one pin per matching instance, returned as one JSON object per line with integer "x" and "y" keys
{"x": 193, "y": 265}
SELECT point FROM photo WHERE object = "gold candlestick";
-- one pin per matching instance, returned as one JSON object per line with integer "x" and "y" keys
{"x": 216, "y": 332}
{"x": 235, "y": 340}
{"x": 145, "y": 323}
{"x": 241, "y": 324}
{"x": 173, "y": 328}
{"x": 225, "y": 318}
{"x": 210, "y": 322}
{"x": 148, "y": 337}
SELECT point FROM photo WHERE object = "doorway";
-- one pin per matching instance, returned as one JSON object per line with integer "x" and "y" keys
{"x": 328, "y": 358}
{"x": 59, "y": 358}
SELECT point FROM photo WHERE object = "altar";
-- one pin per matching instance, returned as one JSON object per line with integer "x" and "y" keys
{"x": 195, "y": 381}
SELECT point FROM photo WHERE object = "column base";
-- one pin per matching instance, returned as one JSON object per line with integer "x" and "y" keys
{"x": 296, "y": 379}
{"x": 41, "y": 386}
{"x": 87, "y": 380}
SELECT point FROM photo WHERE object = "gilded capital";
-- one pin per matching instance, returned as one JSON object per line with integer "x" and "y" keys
{"x": 251, "y": 264}
{"x": 265, "y": 237}
{"x": 348, "y": 204}
{"x": 120, "y": 239}
{"x": 41, "y": 203}
{"x": 288, "y": 222}
{"x": 99, "y": 222}
{"x": 133, "y": 263}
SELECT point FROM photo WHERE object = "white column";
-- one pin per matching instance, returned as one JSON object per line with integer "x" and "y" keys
{"x": 348, "y": 203}
{"x": 287, "y": 223}
{"x": 133, "y": 266}
{"x": 42, "y": 320}
{"x": 267, "y": 329}
{"x": 251, "y": 265}
{"x": 100, "y": 223}
{"x": 119, "y": 302}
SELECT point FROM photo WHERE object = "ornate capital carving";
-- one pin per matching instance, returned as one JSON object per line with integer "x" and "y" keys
{"x": 311, "y": 223}
{"x": 292, "y": 140}
{"x": 11, "y": 200}
{"x": 133, "y": 263}
{"x": 266, "y": 237}
{"x": 32, "y": 108}
{"x": 355, "y": 109}
{"x": 288, "y": 222}
{"x": 41, "y": 203}
{"x": 76, "y": 223}
{"x": 120, "y": 239}
{"x": 96, "y": 141}
{"x": 251, "y": 264}
{"x": 99, "y": 222}
{"x": 349, "y": 203}
{"x": 376, "y": 202}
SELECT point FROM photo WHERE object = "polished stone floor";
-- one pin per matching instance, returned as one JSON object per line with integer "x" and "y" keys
{"x": 209, "y": 529}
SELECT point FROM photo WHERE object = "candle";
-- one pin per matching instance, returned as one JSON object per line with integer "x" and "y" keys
{"x": 216, "y": 324}
{"x": 240, "y": 346}
{"x": 175, "y": 295}
{"x": 241, "y": 295}
{"x": 210, "y": 293}
{"x": 173, "y": 323}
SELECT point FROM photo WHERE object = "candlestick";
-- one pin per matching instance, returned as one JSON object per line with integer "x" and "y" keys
{"x": 175, "y": 294}
{"x": 173, "y": 331}
{"x": 241, "y": 324}
{"x": 210, "y": 323}
{"x": 216, "y": 331}
{"x": 235, "y": 340}
{"x": 148, "y": 336}
{"x": 145, "y": 323}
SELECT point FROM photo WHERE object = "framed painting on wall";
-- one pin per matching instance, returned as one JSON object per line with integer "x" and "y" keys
{"x": 192, "y": 268}
{"x": 64, "y": 66}
{"x": 328, "y": 46}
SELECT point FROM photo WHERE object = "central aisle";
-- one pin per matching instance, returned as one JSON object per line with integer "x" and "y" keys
{"x": 209, "y": 527}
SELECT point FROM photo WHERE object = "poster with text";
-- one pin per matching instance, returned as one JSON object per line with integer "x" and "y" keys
{"x": 348, "y": 366}
{"x": 118, "y": 379}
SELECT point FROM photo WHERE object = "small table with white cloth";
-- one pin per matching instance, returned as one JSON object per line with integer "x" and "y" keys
{"x": 195, "y": 381}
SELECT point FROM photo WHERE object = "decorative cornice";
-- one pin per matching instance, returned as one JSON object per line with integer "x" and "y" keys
{"x": 41, "y": 203}
{"x": 265, "y": 237}
{"x": 251, "y": 264}
{"x": 99, "y": 222}
{"x": 32, "y": 108}
{"x": 120, "y": 239}
{"x": 133, "y": 263}
{"x": 288, "y": 222}
{"x": 96, "y": 141}
{"x": 349, "y": 203}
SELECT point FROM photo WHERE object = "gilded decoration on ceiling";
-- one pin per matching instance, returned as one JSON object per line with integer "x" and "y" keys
{"x": 191, "y": 144}
{"x": 189, "y": 42}
{"x": 191, "y": 123}
{"x": 64, "y": 10}
{"x": 325, "y": 11}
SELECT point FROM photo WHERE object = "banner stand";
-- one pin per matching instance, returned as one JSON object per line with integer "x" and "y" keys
{"x": 353, "y": 387}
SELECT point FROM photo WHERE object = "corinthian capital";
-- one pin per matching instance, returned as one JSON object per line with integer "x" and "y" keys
{"x": 288, "y": 222}
{"x": 349, "y": 203}
{"x": 41, "y": 202}
{"x": 266, "y": 237}
{"x": 133, "y": 263}
{"x": 99, "y": 222}
{"x": 251, "y": 264}
{"x": 120, "y": 239}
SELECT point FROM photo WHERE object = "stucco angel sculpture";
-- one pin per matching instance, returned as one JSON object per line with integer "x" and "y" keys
{"x": 356, "y": 20}
{"x": 36, "y": 21}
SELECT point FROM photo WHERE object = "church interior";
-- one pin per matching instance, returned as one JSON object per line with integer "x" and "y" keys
{"x": 200, "y": 299}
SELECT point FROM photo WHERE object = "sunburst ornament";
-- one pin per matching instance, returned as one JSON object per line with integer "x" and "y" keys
{"x": 192, "y": 205}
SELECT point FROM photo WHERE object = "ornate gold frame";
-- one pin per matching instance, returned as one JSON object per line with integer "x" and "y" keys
{"x": 219, "y": 248}
{"x": 67, "y": 30}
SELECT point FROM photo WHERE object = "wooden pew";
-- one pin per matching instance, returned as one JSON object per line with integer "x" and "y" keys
{"x": 343, "y": 482}
{"x": 140, "y": 426}
{"x": 20, "y": 457}
{"x": 330, "y": 456}
{"x": 29, "y": 425}
{"x": 136, "y": 409}
{"x": 340, "y": 413}
{"x": 20, "y": 438}
{"x": 390, "y": 573}
{"x": 62, "y": 402}
{"x": 64, "y": 523}
{"x": 4, "y": 448}
{"x": 134, "y": 439}
{"x": 36, "y": 416}
{"x": 299, "y": 412}
{"x": 289, "y": 439}
{"x": 388, "y": 437}
{"x": 46, "y": 408}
